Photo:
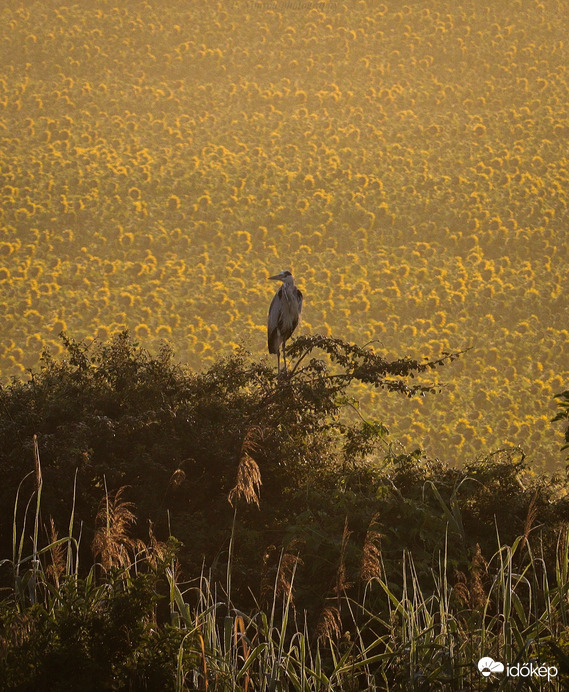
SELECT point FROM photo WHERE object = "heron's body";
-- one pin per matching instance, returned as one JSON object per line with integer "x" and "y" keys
{"x": 284, "y": 314}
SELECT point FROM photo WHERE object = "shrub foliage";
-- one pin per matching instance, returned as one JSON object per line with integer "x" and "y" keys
{"x": 282, "y": 494}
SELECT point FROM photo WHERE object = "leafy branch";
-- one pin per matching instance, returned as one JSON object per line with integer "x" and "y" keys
{"x": 362, "y": 364}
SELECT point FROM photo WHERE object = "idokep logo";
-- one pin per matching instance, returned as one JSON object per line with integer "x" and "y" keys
{"x": 488, "y": 666}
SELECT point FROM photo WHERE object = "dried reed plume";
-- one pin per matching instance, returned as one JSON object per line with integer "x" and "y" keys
{"x": 56, "y": 569}
{"x": 287, "y": 567}
{"x": 111, "y": 543}
{"x": 37, "y": 463}
{"x": 530, "y": 519}
{"x": 478, "y": 572}
{"x": 248, "y": 483}
{"x": 461, "y": 590}
{"x": 281, "y": 584}
{"x": 329, "y": 624}
{"x": 471, "y": 591}
{"x": 156, "y": 551}
{"x": 371, "y": 558}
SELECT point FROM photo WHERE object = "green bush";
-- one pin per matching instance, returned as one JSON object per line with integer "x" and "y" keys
{"x": 291, "y": 508}
{"x": 102, "y": 637}
{"x": 112, "y": 415}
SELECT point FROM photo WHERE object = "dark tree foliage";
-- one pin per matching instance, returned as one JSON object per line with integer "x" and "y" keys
{"x": 117, "y": 415}
{"x": 112, "y": 414}
{"x": 102, "y": 638}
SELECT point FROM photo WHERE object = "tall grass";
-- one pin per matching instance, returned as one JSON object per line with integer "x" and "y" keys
{"x": 510, "y": 607}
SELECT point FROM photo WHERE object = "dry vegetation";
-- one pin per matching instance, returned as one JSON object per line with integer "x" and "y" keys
{"x": 408, "y": 162}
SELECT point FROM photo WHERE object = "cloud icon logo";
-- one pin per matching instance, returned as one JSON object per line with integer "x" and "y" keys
{"x": 488, "y": 665}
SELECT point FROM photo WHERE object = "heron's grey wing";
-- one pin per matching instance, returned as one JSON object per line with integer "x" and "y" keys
{"x": 298, "y": 296}
{"x": 273, "y": 337}
{"x": 289, "y": 322}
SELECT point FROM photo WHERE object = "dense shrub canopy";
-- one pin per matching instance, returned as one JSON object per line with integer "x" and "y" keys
{"x": 278, "y": 488}
{"x": 111, "y": 414}
{"x": 292, "y": 453}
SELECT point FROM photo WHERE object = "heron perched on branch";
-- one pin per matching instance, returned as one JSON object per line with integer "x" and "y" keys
{"x": 284, "y": 314}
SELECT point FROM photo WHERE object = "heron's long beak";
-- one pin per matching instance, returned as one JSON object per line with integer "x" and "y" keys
{"x": 276, "y": 277}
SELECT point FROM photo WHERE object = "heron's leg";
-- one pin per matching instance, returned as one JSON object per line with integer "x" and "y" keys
{"x": 278, "y": 359}
{"x": 284, "y": 355}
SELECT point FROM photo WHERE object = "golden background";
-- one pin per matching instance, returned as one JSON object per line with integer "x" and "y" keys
{"x": 409, "y": 164}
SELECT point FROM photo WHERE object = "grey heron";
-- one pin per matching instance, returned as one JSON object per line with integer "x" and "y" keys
{"x": 284, "y": 314}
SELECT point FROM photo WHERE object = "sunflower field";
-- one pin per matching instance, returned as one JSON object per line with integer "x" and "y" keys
{"x": 407, "y": 162}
